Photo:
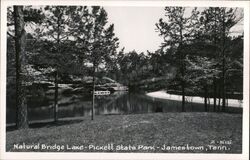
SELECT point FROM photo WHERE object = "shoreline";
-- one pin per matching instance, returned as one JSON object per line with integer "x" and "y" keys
{"x": 162, "y": 94}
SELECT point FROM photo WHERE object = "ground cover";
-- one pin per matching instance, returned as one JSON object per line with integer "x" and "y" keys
{"x": 160, "y": 131}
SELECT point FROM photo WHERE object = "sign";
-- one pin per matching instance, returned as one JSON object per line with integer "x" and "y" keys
{"x": 100, "y": 93}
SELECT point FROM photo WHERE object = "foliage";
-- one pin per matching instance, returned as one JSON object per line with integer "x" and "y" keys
{"x": 95, "y": 39}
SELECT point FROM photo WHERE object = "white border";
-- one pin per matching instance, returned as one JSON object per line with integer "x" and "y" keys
{"x": 42, "y": 155}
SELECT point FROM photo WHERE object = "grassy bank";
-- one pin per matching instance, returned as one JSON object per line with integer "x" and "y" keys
{"x": 156, "y": 130}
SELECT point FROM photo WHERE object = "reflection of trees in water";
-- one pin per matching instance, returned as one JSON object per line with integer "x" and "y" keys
{"x": 129, "y": 103}
{"x": 116, "y": 103}
{"x": 111, "y": 104}
{"x": 40, "y": 113}
{"x": 125, "y": 104}
{"x": 37, "y": 102}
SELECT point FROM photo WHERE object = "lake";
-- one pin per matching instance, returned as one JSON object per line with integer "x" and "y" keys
{"x": 41, "y": 108}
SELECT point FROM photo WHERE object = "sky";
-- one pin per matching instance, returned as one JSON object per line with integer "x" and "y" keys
{"x": 135, "y": 27}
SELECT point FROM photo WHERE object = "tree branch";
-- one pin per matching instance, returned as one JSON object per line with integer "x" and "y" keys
{"x": 11, "y": 35}
{"x": 10, "y": 24}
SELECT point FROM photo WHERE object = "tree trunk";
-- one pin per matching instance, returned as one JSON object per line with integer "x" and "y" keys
{"x": 214, "y": 92}
{"x": 21, "y": 104}
{"x": 182, "y": 72}
{"x": 205, "y": 98}
{"x": 219, "y": 95}
{"x": 223, "y": 86}
{"x": 183, "y": 83}
{"x": 183, "y": 96}
{"x": 56, "y": 72}
{"x": 223, "y": 64}
{"x": 56, "y": 98}
{"x": 208, "y": 100}
{"x": 93, "y": 96}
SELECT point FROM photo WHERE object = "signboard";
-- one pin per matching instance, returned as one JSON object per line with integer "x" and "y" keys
{"x": 100, "y": 93}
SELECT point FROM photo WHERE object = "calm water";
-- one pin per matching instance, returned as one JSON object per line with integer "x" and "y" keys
{"x": 41, "y": 108}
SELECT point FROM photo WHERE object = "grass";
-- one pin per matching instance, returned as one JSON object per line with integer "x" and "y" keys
{"x": 155, "y": 129}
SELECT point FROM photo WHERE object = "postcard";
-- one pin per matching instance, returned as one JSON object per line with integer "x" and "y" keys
{"x": 124, "y": 79}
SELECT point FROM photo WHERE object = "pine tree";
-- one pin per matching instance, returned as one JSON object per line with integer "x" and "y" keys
{"x": 176, "y": 32}
{"x": 97, "y": 41}
{"x": 217, "y": 22}
{"x": 56, "y": 34}
{"x": 17, "y": 18}
{"x": 22, "y": 113}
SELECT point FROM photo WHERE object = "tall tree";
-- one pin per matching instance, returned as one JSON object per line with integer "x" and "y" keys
{"x": 22, "y": 113}
{"x": 97, "y": 40}
{"x": 175, "y": 30}
{"x": 217, "y": 22}
{"x": 18, "y": 17}
{"x": 57, "y": 32}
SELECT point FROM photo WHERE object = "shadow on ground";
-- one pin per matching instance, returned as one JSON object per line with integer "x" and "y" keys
{"x": 46, "y": 124}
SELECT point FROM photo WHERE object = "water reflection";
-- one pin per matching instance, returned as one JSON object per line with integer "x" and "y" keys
{"x": 40, "y": 108}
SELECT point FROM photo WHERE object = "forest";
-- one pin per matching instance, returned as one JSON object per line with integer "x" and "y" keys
{"x": 52, "y": 46}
